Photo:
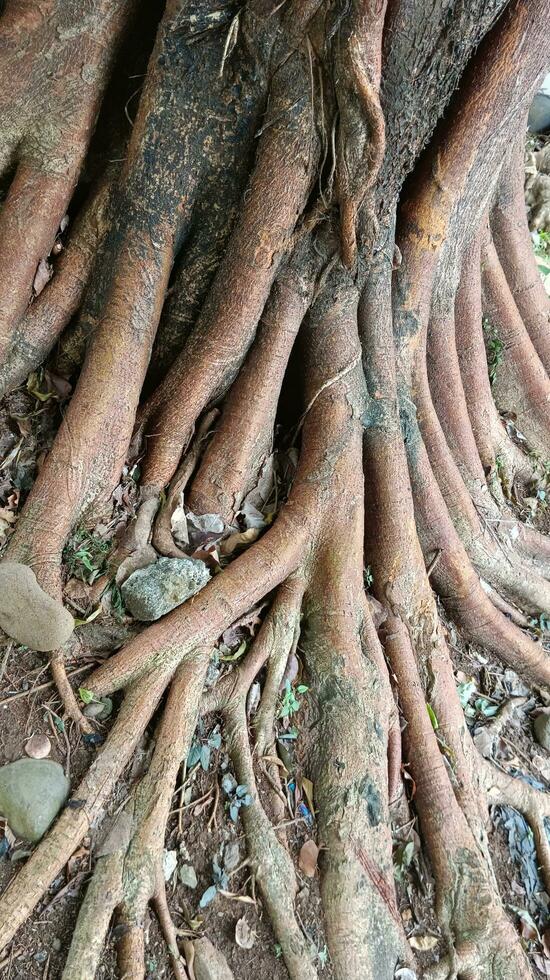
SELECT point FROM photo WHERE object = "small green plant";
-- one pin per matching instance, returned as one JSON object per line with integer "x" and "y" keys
{"x": 290, "y": 704}
{"x": 221, "y": 884}
{"x": 237, "y": 796}
{"x": 85, "y": 555}
{"x": 117, "y": 603}
{"x": 482, "y": 707}
{"x": 322, "y": 956}
{"x": 368, "y": 577}
{"x": 201, "y": 750}
{"x": 494, "y": 348}
{"x": 541, "y": 624}
{"x": 432, "y": 716}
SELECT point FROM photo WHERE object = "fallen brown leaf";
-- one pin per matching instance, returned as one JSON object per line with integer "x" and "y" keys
{"x": 307, "y": 860}
{"x": 423, "y": 942}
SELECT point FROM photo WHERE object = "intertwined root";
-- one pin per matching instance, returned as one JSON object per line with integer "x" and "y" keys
{"x": 56, "y": 65}
{"x": 129, "y": 872}
{"x": 299, "y": 277}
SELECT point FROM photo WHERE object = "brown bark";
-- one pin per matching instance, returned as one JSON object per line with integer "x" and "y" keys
{"x": 253, "y": 224}
{"x": 513, "y": 243}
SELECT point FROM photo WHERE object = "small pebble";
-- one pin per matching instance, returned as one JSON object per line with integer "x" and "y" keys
{"x": 93, "y": 710}
{"x": 38, "y": 746}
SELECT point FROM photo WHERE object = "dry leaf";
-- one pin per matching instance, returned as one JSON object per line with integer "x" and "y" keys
{"x": 423, "y": 942}
{"x": 245, "y": 936}
{"x": 528, "y": 930}
{"x": 238, "y": 540}
{"x": 292, "y": 670}
{"x": 484, "y": 740}
{"x": 245, "y": 899}
{"x": 307, "y": 861}
{"x": 42, "y": 276}
{"x": 169, "y": 863}
{"x": 307, "y": 787}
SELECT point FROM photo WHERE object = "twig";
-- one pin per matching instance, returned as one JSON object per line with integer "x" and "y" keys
{"x": 9, "y": 648}
{"x": 328, "y": 384}
{"x": 201, "y": 799}
{"x": 434, "y": 562}
{"x": 8, "y": 960}
{"x": 40, "y": 687}
{"x": 212, "y": 820}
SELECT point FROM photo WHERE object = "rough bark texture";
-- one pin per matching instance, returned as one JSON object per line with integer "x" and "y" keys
{"x": 272, "y": 299}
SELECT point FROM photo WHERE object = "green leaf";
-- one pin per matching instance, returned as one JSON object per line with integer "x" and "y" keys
{"x": 230, "y": 657}
{"x": 433, "y": 717}
{"x": 90, "y": 618}
{"x": 86, "y": 696}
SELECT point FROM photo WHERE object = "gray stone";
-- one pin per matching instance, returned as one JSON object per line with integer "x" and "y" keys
{"x": 27, "y": 613}
{"x": 231, "y": 855}
{"x": 98, "y": 709}
{"x": 151, "y": 592}
{"x": 541, "y": 727}
{"x": 188, "y": 875}
{"x": 32, "y": 791}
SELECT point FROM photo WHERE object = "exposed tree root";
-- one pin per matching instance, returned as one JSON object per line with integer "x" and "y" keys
{"x": 521, "y": 383}
{"x": 52, "y": 854}
{"x": 411, "y": 628}
{"x": 129, "y": 873}
{"x": 250, "y": 408}
{"x": 49, "y": 114}
{"x": 240, "y": 291}
{"x": 501, "y": 458}
{"x": 513, "y": 242}
{"x": 275, "y": 198}
{"x": 51, "y": 311}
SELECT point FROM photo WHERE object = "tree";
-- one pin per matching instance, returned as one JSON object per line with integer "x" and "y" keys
{"x": 318, "y": 203}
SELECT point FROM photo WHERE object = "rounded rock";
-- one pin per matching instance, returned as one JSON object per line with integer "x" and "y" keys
{"x": 27, "y": 613}
{"x": 38, "y": 746}
{"x": 32, "y": 792}
{"x": 151, "y": 592}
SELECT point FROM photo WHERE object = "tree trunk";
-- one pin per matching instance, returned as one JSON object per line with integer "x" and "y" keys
{"x": 271, "y": 295}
